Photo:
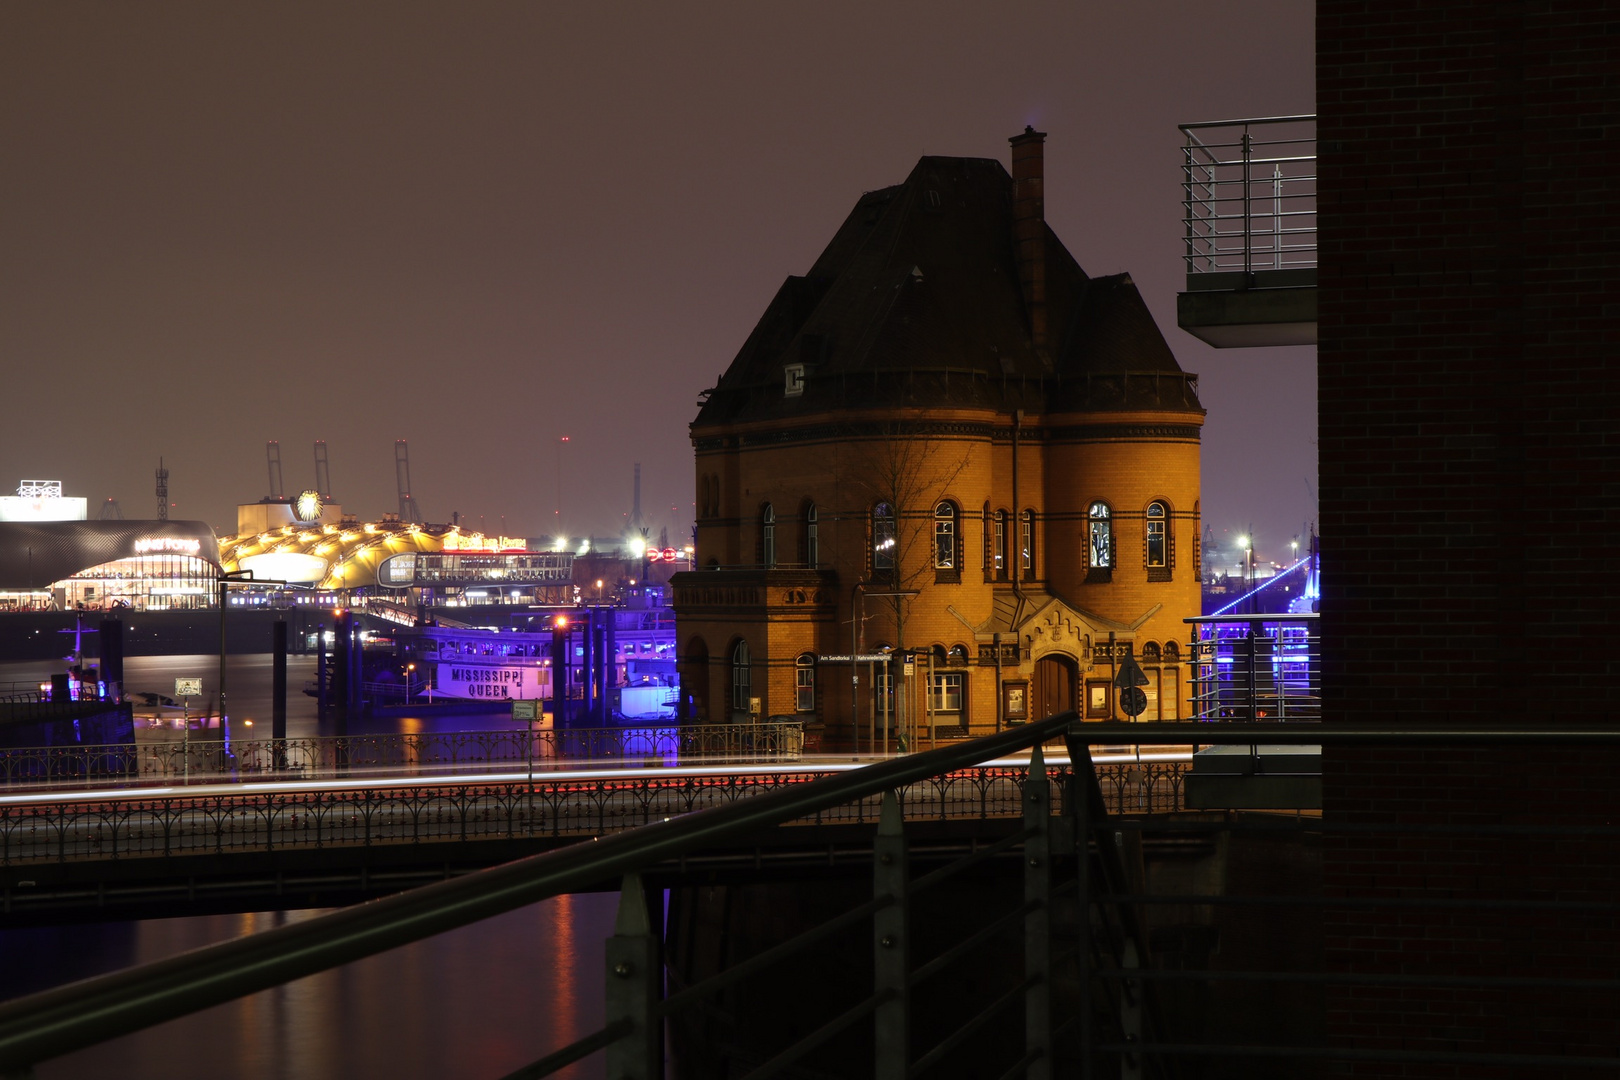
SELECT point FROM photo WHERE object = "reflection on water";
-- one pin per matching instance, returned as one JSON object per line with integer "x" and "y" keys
{"x": 474, "y": 1003}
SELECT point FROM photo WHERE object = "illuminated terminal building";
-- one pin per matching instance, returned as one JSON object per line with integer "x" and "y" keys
{"x": 52, "y": 559}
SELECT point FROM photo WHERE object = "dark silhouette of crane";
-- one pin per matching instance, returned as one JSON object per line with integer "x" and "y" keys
{"x": 402, "y": 470}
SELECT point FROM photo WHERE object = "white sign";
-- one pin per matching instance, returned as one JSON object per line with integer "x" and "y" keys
{"x": 184, "y": 544}
{"x": 188, "y": 688}
{"x": 491, "y": 682}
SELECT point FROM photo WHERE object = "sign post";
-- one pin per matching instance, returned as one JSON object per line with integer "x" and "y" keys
{"x": 185, "y": 690}
{"x": 1129, "y": 681}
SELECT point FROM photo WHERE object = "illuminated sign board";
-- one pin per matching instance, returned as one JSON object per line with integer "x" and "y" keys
{"x": 492, "y": 683}
{"x": 666, "y": 555}
{"x": 458, "y": 541}
{"x": 182, "y": 544}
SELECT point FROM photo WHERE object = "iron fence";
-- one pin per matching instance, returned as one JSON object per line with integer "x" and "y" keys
{"x": 396, "y": 754}
{"x": 547, "y": 807}
{"x": 1249, "y": 198}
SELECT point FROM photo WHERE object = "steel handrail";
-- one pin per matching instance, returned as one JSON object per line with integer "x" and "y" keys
{"x": 67, "y": 1018}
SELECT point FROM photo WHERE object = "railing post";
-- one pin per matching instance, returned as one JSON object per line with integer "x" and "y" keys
{"x": 891, "y": 945}
{"x": 633, "y": 984}
{"x": 1082, "y": 776}
{"x": 1130, "y": 1015}
{"x": 1038, "y": 923}
{"x": 1248, "y": 226}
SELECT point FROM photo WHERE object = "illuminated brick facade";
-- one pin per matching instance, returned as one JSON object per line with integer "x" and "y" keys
{"x": 945, "y": 406}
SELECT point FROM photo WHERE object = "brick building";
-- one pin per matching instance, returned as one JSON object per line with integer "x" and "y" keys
{"x": 1470, "y": 471}
{"x": 945, "y": 407}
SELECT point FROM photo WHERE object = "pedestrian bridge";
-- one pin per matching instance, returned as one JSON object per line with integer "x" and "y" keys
{"x": 965, "y": 911}
{"x": 224, "y": 844}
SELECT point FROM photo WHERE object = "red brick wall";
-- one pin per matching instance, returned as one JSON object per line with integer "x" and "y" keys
{"x": 1470, "y": 476}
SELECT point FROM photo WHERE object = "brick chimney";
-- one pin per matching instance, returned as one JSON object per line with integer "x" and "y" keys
{"x": 1029, "y": 225}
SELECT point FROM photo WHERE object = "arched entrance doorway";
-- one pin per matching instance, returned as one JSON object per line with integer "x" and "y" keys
{"x": 1054, "y": 687}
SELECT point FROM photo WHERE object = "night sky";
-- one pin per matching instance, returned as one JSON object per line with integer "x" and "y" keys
{"x": 481, "y": 227}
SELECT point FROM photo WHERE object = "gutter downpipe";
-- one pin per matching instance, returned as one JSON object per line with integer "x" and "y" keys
{"x": 1016, "y": 527}
{"x": 855, "y": 604}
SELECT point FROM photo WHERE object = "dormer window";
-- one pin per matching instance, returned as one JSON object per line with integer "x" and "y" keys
{"x": 793, "y": 384}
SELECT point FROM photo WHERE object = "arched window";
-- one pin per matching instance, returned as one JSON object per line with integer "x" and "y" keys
{"x": 989, "y": 556}
{"x": 804, "y": 683}
{"x": 1150, "y": 652}
{"x": 767, "y": 536}
{"x": 945, "y": 536}
{"x": 741, "y": 678}
{"x": 958, "y": 656}
{"x": 883, "y": 541}
{"x": 999, "y": 543}
{"x": 1100, "y": 537}
{"x": 1026, "y": 543}
{"x": 1156, "y": 539}
{"x": 812, "y": 541}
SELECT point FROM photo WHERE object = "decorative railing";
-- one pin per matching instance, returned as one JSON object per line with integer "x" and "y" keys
{"x": 200, "y": 760}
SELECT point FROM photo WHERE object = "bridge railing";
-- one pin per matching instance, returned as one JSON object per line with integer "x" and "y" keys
{"x": 1096, "y": 968}
{"x": 419, "y": 754}
{"x": 57, "y": 1021}
{"x": 546, "y": 807}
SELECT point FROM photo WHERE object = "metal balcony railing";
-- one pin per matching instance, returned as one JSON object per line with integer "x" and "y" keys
{"x": 1256, "y": 668}
{"x": 1249, "y": 201}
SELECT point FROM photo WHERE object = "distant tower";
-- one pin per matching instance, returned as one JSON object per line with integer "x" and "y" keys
{"x": 110, "y": 511}
{"x": 635, "y": 507}
{"x": 402, "y": 470}
{"x": 323, "y": 476}
{"x": 162, "y": 491}
{"x": 272, "y": 458}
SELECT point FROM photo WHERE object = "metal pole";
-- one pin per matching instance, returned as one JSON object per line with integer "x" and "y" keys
{"x": 890, "y": 944}
{"x": 224, "y": 717}
{"x": 857, "y": 605}
{"x": 1038, "y": 923}
{"x": 632, "y": 988}
{"x": 1248, "y": 151}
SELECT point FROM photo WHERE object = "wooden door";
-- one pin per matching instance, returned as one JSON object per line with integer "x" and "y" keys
{"x": 1052, "y": 690}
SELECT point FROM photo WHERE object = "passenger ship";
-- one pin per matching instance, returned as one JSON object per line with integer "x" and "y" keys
{"x": 477, "y": 664}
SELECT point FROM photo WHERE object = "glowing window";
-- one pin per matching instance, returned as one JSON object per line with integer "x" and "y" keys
{"x": 1100, "y": 538}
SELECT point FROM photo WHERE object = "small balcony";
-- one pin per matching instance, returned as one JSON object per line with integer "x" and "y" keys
{"x": 1249, "y": 216}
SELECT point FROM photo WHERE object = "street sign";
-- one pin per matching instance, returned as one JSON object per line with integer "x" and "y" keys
{"x": 1132, "y": 700}
{"x": 1130, "y": 674}
{"x": 857, "y": 658}
{"x": 188, "y": 688}
{"x": 527, "y": 709}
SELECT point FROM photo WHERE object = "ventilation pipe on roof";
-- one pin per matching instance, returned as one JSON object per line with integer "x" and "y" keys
{"x": 1029, "y": 226}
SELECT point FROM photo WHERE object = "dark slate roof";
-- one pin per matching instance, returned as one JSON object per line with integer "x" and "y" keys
{"x": 34, "y": 554}
{"x": 916, "y": 301}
